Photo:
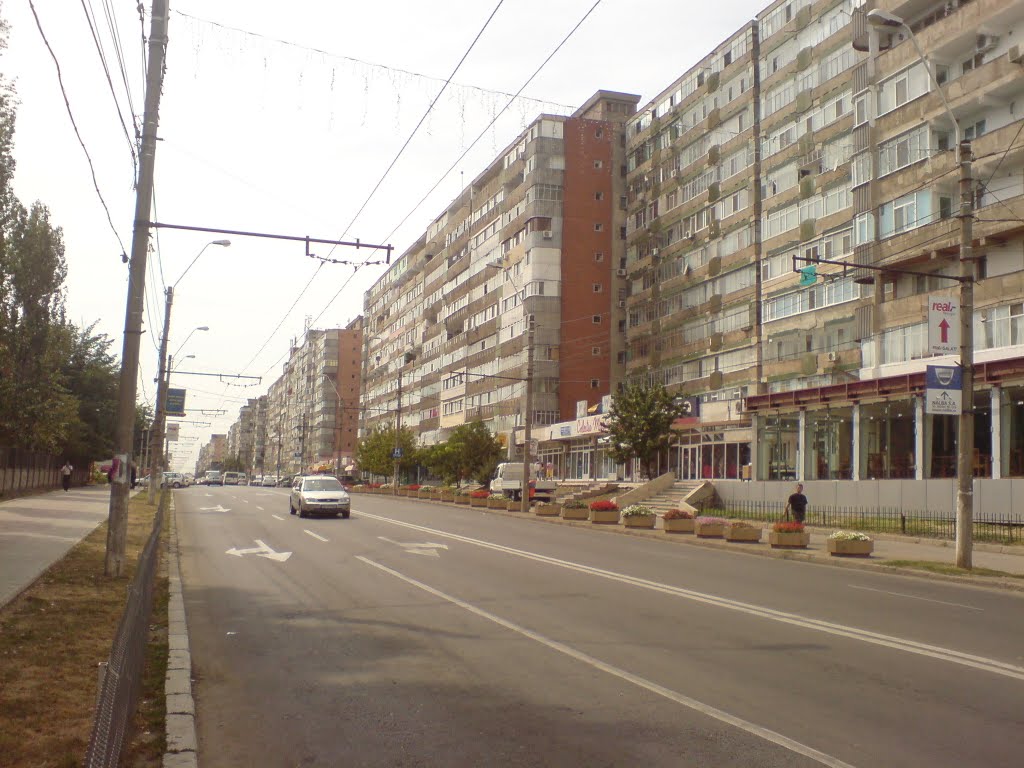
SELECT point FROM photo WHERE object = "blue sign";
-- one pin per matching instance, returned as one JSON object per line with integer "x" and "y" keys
{"x": 396, "y": 453}
{"x": 942, "y": 390}
{"x": 174, "y": 405}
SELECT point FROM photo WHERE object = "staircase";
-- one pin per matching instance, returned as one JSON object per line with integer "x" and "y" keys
{"x": 671, "y": 497}
{"x": 589, "y": 491}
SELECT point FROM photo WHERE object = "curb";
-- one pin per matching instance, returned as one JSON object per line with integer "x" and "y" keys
{"x": 181, "y": 709}
{"x": 879, "y": 565}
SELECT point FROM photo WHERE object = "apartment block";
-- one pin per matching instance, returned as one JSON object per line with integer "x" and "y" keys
{"x": 537, "y": 237}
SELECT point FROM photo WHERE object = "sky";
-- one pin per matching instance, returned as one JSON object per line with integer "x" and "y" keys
{"x": 282, "y": 118}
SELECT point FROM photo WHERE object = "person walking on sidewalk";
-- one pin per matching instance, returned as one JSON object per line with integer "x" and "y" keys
{"x": 65, "y": 475}
{"x": 798, "y": 503}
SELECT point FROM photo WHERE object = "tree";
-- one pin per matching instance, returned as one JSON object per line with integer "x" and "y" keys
{"x": 441, "y": 460}
{"x": 640, "y": 423}
{"x": 478, "y": 449}
{"x": 375, "y": 452}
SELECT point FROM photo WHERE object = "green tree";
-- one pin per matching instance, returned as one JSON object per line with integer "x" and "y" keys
{"x": 478, "y": 449}
{"x": 441, "y": 460}
{"x": 640, "y": 423}
{"x": 374, "y": 453}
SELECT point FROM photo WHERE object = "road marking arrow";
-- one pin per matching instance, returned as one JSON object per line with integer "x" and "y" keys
{"x": 218, "y": 508}
{"x": 262, "y": 550}
{"x": 427, "y": 548}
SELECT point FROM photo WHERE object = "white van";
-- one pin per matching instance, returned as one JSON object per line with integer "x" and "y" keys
{"x": 234, "y": 478}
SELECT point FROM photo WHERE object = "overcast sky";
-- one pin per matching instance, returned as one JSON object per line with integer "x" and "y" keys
{"x": 281, "y": 118}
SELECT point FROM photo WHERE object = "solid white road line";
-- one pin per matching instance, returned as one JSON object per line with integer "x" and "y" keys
{"x": 668, "y": 693}
{"x": 276, "y": 517}
{"x": 876, "y": 638}
{"x": 915, "y": 597}
{"x": 314, "y": 535}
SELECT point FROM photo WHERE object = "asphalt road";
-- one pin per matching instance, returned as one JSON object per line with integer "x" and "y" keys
{"x": 417, "y": 634}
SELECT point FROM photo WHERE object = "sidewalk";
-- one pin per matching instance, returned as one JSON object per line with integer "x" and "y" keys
{"x": 36, "y": 531}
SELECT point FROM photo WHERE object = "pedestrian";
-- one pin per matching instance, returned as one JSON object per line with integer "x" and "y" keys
{"x": 134, "y": 479}
{"x": 65, "y": 475}
{"x": 798, "y": 503}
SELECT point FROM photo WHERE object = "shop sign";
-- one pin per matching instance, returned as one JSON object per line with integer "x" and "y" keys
{"x": 943, "y": 390}
{"x": 943, "y": 325}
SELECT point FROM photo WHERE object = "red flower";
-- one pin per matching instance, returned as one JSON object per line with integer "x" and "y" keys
{"x": 480, "y": 494}
{"x": 788, "y": 527}
{"x": 603, "y": 506}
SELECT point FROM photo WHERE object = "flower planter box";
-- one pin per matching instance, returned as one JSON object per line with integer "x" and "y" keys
{"x": 709, "y": 530}
{"x": 842, "y": 548}
{"x": 741, "y": 533}
{"x": 497, "y": 504}
{"x": 427, "y": 494}
{"x": 462, "y": 499}
{"x": 515, "y": 506}
{"x": 449, "y": 497}
{"x": 570, "y": 513}
{"x": 473, "y": 502}
{"x": 639, "y": 521}
{"x": 547, "y": 510}
{"x": 604, "y": 516}
{"x": 679, "y": 525}
{"x": 797, "y": 540}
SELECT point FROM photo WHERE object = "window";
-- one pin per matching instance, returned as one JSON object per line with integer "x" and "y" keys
{"x": 598, "y": 133}
{"x": 598, "y": 164}
{"x": 595, "y": 383}
{"x": 598, "y": 287}
{"x": 595, "y": 351}
{"x": 596, "y": 319}
{"x": 599, "y": 256}
{"x": 864, "y": 228}
{"x": 598, "y": 227}
{"x": 860, "y": 109}
{"x": 599, "y": 195}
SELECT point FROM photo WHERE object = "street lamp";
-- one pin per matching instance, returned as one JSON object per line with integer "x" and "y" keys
{"x": 157, "y": 434}
{"x": 524, "y": 495}
{"x": 965, "y": 436}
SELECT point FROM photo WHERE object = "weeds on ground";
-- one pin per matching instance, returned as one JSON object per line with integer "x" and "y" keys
{"x": 949, "y": 570}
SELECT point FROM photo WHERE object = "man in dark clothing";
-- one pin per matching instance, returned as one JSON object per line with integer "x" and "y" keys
{"x": 798, "y": 503}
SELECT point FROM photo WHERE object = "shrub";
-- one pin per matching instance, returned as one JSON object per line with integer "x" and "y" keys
{"x": 637, "y": 510}
{"x": 711, "y": 520}
{"x": 677, "y": 514}
{"x": 738, "y": 524}
{"x": 574, "y": 504}
{"x": 603, "y": 506}
{"x": 497, "y": 496}
{"x": 479, "y": 494}
{"x": 849, "y": 536}
{"x": 788, "y": 527}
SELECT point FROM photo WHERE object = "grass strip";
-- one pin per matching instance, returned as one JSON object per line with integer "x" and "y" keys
{"x": 933, "y": 566}
{"x": 53, "y": 637}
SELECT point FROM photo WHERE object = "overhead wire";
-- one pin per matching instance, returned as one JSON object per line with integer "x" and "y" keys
{"x": 74, "y": 125}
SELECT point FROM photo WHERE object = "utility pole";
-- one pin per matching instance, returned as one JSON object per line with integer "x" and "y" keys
{"x": 156, "y": 434}
{"x": 398, "y": 432}
{"x": 965, "y": 437}
{"x": 524, "y": 496}
{"x": 117, "y": 521}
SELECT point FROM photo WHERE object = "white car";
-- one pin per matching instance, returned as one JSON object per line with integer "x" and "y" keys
{"x": 319, "y": 495}
{"x": 173, "y": 480}
{"x": 269, "y": 481}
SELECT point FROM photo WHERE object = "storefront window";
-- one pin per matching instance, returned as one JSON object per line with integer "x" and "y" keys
{"x": 580, "y": 455}
{"x": 1012, "y": 431}
{"x": 887, "y": 440}
{"x": 778, "y": 440}
{"x": 829, "y": 443}
{"x": 940, "y": 446}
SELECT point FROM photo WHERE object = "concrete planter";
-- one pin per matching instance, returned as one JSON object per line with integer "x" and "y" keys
{"x": 798, "y": 540}
{"x": 639, "y": 521}
{"x": 426, "y": 494}
{"x": 497, "y": 503}
{"x": 841, "y": 548}
{"x": 741, "y": 533}
{"x": 475, "y": 502}
{"x": 547, "y": 510}
{"x": 678, "y": 525}
{"x": 449, "y": 497}
{"x": 570, "y": 513}
{"x": 709, "y": 530}
{"x": 604, "y": 516}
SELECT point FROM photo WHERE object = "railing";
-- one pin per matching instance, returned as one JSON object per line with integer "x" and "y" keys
{"x": 121, "y": 677}
{"x": 23, "y": 470}
{"x": 1004, "y": 529}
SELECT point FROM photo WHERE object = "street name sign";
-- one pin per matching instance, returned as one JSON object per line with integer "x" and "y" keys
{"x": 942, "y": 390}
{"x": 943, "y": 325}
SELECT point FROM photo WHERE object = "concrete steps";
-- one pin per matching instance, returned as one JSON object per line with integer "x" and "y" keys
{"x": 672, "y": 497}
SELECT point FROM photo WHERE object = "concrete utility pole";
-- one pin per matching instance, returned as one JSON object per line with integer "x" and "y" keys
{"x": 398, "y": 432}
{"x": 156, "y": 434}
{"x": 524, "y": 496}
{"x": 965, "y": 441}
{"x": 117, "y": 521}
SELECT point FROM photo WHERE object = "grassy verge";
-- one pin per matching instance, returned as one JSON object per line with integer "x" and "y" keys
{"x": 950, "y": 570}
{"x": 52, "y": 637}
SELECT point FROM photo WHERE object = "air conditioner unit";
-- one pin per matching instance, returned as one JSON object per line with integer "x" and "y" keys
{"x": 833, "y": 356}
{"x": 985, "y": 43}
{"x": 548, "y": 234}
{"x": 620, "y": 272}
{"x": 1014, "y": 54}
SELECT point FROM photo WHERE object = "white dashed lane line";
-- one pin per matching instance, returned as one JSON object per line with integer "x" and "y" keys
{"x": 276, "y": 517}
{"x": 314, "y": 535}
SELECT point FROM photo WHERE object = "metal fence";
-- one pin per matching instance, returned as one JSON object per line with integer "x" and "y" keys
{"x": 1004, "y": 529}
{"x": 122, "y": 676}
{"x": 24, "y": 470}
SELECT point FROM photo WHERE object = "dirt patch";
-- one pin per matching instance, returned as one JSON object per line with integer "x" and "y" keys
{"x": 52, "y": 639}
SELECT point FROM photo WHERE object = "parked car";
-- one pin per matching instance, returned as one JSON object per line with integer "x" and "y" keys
{"x": 269, "y": 481}
{"x": 319, "y": 495}
{"x": 256, "y": 480}
{"x": 234, "y": 478}
{"x": 213, "y": 477}
{"x": 286, "y": 481}
{"x": 173, "y": 480}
